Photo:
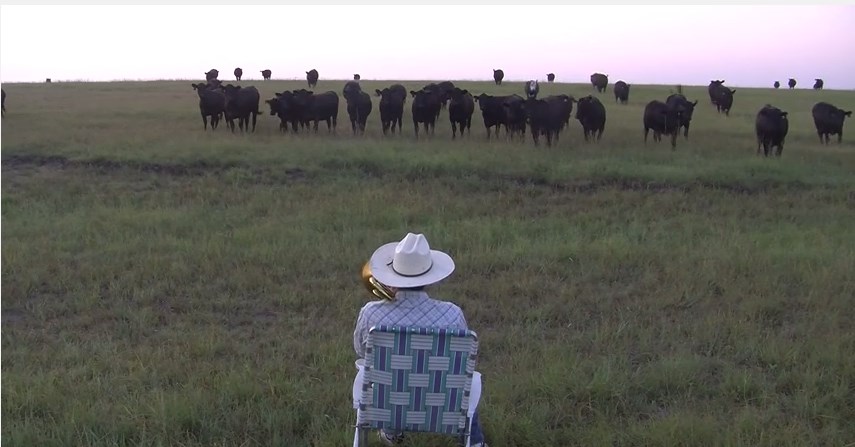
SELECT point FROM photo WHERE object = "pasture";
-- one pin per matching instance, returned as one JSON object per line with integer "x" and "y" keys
{"x": 166, "y": 286}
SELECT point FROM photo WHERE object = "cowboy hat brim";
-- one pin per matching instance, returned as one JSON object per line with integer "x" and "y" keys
{"x": 381, "y": 268}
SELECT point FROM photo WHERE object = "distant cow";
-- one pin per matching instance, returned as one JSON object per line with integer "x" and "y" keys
{"x": 3, "y": 105}
{"x": 498, "y": 75}
{"x": 544, "y": 118}
{"x": 211, "y": 103}
{"x": 721, "y": 96}
{"x": 47, "y": 80}
{"x": 662, "y": 119}
{"x": 818, "y": 84}
{"x": 460, "y": 108}
{"x": 531, "y": 89}
{"x": 312, "y": 78}
{"x": 317, "y": 107}
{"x": 828, "y": 120}
{"x": 241, "y": 102}
{"x": 238, "y": 73}
{"x": 358, "y": 106}
{"x": 621, "y": 92}
{"x": 550, "y": 77}
{"x": 266, "y": 74}
{"x": 776, "y": 84}
{"x": 213, "y": 74}
{"x": 771, "y": 127}
{"x": 425, "y": 109}
{"x": 600, "y": 81}
{"x": 392, "y": 101}
{"x": 592, "y": 116}
{"x": 686, "y": 108}
{"x": 791, "y": 83}
{"x": 356, "y": 77}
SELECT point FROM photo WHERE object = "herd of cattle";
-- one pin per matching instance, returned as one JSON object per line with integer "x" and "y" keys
{"x": 546, "y": 117}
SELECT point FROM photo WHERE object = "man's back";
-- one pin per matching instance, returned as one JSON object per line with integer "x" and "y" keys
{"x": 410, "y": 308}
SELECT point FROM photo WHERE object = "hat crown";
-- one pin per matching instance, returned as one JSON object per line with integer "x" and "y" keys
{"x": 412, "y": 256}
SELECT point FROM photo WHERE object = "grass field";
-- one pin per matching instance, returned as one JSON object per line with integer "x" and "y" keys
{"x": 162, "y": 285}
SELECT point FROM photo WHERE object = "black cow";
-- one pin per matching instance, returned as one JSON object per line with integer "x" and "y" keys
{"x": 818, "y": 84}
{"x": 211, "y": 103}
{"x": 776, "y": 84}
{"x": 721, "y": 96}
{"x": 532, "y": 88}
{"x": 3, "y": 105}
{"x": 686, "y": 108}
{"x": 713, "y": 90}
{"x": 662, "y": 119}
{"x": 771, "y": 127}
{"x": 358, "y": 106}
{"x": 565, "y": 107}
{"x": 444, "y": 89}
{"x": 515, "y": 116}
{"x": 791, "y": 83}
{"x": 356, "y": 77}
{"x": 621, "y": 92}
{"x": 544, "y": 118}
{"x": 592, "y": 116}
{"x": 550, "y": 77}
{"x": 285, "y": 106}
{"x": 277, "y": 109}
{"x": 460, "y": 109}
{"x": 317, "y": 108}
{"x": 238, "y": 73}
{"x": 828, "y": 120}
{"x": 213, "y": 74}
{"x": 494, "y": 112}
{"x": 498, "y": 75}
{"x": 392, "y": 101}
{"x": 600, "y": 81}
{"x": 425, "y": 108}
{"x": 241, "y": 102}
{"x": 266, "y": 74}
{"x": 312, "y": 78}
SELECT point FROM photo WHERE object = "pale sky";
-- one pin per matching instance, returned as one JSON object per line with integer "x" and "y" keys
{"x": 749, "y": 46}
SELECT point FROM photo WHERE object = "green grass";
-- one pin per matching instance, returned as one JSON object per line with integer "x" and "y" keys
{"x": 163, "y": 285}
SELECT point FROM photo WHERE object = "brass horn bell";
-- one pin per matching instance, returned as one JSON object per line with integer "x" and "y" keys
{"x": 376, "y": 288}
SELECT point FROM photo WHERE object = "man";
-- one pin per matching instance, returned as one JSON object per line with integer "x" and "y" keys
{"x": 407, "y": 267}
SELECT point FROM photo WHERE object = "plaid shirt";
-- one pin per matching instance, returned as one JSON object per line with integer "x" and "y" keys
{"x": 410, "y": 308}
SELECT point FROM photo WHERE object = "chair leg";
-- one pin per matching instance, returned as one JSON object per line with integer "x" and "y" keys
{"x": 360, "y": 438}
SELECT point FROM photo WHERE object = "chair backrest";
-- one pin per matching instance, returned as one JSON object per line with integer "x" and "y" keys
{"x": 418, "y": 379}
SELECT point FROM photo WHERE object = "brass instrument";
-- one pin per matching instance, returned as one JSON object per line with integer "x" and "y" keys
{"x": 376, "y": 288}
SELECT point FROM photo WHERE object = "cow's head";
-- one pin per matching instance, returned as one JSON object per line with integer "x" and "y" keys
{"x": 274, "y": 105}
{"x": 351, "y": 90}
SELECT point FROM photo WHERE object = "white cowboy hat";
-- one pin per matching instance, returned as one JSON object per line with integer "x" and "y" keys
{"x": 410, "y": 263}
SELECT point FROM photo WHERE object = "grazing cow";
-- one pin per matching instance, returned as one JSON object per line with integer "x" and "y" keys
{"x": 460, "y": 109}
{"x": 356, "y": 77}
{"x": 317, "y": 108}
{"x": 3, "y": 104}
{"x": 662, "y": 119}
{"x": 776, "y": 84}
{"x": 358, "y": 106}
{"x": 532, "y": 88}
{"x": 818, "y": 84}
{"x": 211, "y": 75}
{"x": 592, "y": 116}
{"x": 686, "y": 108}
{"x": 241, "y": 102}
{"x": 550, "y": 77}
{"x": 312, "y": 78}
{"x": 211, "y": 103}
{"x": 266, "y": 74}
{"x": 238, "y": 73}
{"x": 565, "y": 108}
{"x": 621, "y": 92}
{"x": 544, "y": 118}
{"x": 829, "y": 120}
{"x": 771, "y": 127}
{"x": 392, "y": 101}
{"x": 791, "y": 83}
{"x": 425, "y": 108}
{"x": 498, "y": 75}
{"x": 600, "y": 81}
